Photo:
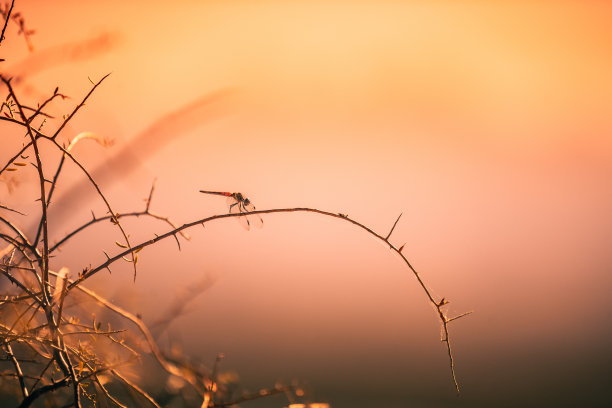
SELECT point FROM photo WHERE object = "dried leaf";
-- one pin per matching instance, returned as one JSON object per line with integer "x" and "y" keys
{"x": 89, "y": 135}
{"x": 120, "y": 244}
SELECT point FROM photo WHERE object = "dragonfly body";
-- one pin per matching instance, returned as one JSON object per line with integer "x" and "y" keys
{"x": 239, "y": 204}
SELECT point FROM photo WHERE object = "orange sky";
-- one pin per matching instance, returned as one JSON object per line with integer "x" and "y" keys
{"x": 486, "y": 123}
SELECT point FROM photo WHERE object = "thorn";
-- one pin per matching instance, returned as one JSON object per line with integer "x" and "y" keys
{"x": 459, "y": 317}
{"x": 393, "y": 227}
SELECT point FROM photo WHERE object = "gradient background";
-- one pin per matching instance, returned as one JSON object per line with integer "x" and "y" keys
{"x": 487, "y": 123}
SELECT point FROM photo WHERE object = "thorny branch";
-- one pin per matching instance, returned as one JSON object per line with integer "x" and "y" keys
{"x": 438, "y": 305}
{"x": 146, "y": 212}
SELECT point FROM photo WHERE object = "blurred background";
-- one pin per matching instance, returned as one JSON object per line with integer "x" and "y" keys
{"x": 487, "y": 124}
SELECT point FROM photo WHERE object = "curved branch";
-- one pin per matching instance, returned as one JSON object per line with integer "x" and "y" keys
{"x": 438, "y": 305}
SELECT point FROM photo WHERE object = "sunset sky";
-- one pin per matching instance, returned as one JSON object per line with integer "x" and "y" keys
{"x": 486, "y": 123}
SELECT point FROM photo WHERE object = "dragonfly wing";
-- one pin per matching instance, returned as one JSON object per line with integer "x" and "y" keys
{"x": 237, "y": 207}
{"x": 254, "y": 219}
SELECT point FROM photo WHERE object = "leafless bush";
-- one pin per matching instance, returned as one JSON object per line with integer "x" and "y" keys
{"x": 54, "y": 348}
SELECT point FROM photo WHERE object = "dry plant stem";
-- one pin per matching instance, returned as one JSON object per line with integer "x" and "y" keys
{"x": 79, "y": 106}
{"x": 8, "y": 15}
{"x": 163, "y": 362}
{"x": 107, "y": 394}
{"x": 18, "y": 371}
{"x": 102, "y": 196}
{"x": 4, "y": 207}
{"x": 136, "y": 388}
{"x": 437, "y": 304}
{"x": 40, "y": 377}
{"x": 39, "y": 110}
{"x": 26, "y": 402}
{"x": 27, "y": 309}
{"x": 20, "y": 152}
{"x": 25, "y": 243}
{"x": 25, "y": 146}
{"x": 41, "y": 178}
{"x": 37, "y": 393}
{"x": 60, "y": 354}
{"x": 96, "y": 220}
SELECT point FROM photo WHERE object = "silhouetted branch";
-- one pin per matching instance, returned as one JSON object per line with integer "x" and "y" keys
{"x": 41, "y": 177}
{"x": 79, "y": 106}
{"x": 6, "y": 20}
{"x": 43, "y": 390}
{"x": 18, "y": 371}
{"x": 4, "y": 207}
{"x": 117, "y": 216}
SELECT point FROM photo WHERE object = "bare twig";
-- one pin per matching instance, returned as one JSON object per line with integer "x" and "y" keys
{"x": 26, "y": 402}
{"x": 169, "y": 367}
{"x": 4, "y": 207}
{"x": 102, "y": 196}
{"x": 136, "y": 388}
{"x": 73, "y": 143}
{"x": 6, "y": 20}
{"x": 18, "y": 371}
{"x": 96, "y": 220}
{"x": 79, "y": 106}
{"x": 45, "y": 255}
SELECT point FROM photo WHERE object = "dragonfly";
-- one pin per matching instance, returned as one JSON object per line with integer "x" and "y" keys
{"x": 239, "y": 204}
